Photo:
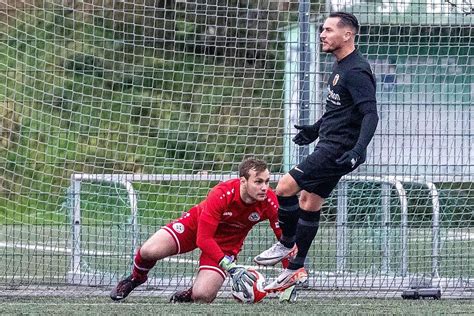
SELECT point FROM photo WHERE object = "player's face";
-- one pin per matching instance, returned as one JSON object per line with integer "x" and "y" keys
{"x": 333, "y": 37}
{"x": 255, "y": 187}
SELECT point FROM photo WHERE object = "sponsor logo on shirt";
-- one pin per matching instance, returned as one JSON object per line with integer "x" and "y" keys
{"x": 254, "y": 217}
{"x": 333, "y": 97}
{"x": 178, "y": 227}
{"x": 228, "y": 213}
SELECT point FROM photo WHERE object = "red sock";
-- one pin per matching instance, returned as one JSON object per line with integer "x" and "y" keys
{"x": 141, "y": 267}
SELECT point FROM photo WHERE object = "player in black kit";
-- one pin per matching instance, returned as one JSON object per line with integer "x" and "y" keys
{"x": 344, "y": 132}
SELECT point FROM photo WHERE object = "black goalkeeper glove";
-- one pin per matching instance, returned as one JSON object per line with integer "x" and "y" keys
{"x": 306, "y": 135}
{"x": 349, "y": 158}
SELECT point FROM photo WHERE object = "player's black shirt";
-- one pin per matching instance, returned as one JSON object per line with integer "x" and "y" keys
{"x": 351, "y": 94}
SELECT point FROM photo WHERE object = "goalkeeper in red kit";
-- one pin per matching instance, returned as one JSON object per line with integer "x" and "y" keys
{"x": 217, "y": 226}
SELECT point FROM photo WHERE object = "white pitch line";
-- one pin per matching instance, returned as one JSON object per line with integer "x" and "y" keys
{"x": 102, "y": 253}
{"x": 83, "y": 252}
{"x": 36, "y": 277}
{"x": 79, "y": 304}
{"x": 462, "y": 236}
{"x": 449, "y": 236}
{"x": 35, "y": 247}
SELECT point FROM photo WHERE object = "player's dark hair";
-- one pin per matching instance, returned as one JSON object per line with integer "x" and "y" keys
{"x": 251, "y": 164}
{"x": 346, "y": 19}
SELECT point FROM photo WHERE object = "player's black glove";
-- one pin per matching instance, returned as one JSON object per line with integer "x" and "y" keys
{"x": 349, "y": 158}
{"x": 306, "y": 135}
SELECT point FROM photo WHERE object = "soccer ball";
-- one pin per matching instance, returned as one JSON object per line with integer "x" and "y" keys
{"x": 256, "y": 290}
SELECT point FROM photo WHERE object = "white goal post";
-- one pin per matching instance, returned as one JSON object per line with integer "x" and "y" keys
{"x": 385, "y": 278}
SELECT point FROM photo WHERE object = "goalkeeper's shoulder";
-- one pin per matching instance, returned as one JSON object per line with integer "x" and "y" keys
{"x": 224, "y": 190}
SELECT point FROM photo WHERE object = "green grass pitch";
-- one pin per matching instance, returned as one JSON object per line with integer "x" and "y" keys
{"x": 225, "y": 306}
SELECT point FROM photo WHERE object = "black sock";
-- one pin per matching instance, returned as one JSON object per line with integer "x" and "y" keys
{"x": 288, "y": 216}
{"x": 307, "y": 228}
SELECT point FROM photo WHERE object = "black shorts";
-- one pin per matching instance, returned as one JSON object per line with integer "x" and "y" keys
{"x": 319, "y": 173}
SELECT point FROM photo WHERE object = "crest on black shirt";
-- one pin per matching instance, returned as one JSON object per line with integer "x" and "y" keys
{"x": 335, "y": 80}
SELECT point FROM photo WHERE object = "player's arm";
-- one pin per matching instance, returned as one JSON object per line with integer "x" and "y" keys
{"x": 209, "y": 219}
{"x": 215, "y": 204}
{"x": 205, "y": 241}
{"x": 361, "y": 85}
{"x": 368, "y": 126}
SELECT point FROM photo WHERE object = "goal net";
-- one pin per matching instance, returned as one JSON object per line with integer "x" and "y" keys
{"x": 117, "y": 116}
{"x": 354, "y": 243}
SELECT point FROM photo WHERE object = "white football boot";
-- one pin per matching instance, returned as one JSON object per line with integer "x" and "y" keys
{"x": 274, "y": 254}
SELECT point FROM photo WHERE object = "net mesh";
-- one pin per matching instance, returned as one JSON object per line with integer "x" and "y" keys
{"x": 184, "y": 88}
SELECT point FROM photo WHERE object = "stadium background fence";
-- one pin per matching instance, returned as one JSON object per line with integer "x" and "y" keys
{"x": 117, "y": 116}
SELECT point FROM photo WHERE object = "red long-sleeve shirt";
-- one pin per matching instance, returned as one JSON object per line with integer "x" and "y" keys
{"x": 223, "y": 220}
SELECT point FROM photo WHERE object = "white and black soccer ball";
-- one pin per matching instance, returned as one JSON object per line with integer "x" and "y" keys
{"x": 256, "y": 290}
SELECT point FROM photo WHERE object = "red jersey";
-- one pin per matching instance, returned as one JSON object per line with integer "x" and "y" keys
{"x": 223, "y": 220}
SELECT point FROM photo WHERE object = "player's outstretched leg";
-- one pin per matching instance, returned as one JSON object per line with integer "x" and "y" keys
{"x": 287, "y": 279}
{"x": 274, "y": 254}
{"x": 124, "y": 287}
{"x": 182, "y": 296}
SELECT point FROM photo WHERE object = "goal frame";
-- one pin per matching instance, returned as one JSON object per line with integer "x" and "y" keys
{"x": 78, "y": 277}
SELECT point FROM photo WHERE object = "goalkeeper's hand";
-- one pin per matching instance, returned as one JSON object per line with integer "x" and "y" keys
{"x": 306, "y": 135}
{"x": 239, "y": 274}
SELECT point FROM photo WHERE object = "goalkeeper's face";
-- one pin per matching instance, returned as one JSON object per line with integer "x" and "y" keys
{"x": 255, "y": 187}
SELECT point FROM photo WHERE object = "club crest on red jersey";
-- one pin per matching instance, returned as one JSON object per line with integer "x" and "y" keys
{"x": 178, "y": 227}
{"x": 254, "y": 217}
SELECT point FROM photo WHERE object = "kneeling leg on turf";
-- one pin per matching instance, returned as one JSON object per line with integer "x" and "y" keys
{"x": 206, "y": 285}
